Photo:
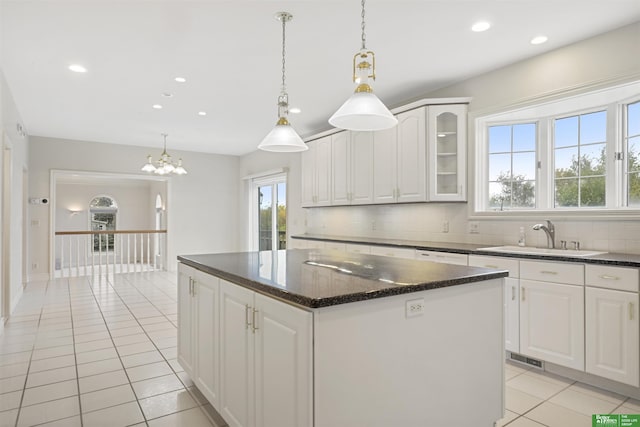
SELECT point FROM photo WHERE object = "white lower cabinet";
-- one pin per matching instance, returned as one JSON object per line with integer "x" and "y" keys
{"x": 552, "y": 322}
{"x": 512, "y": 314}
{"x": 266, "y": 366}
{"x": 612, "y": 334}
{"x": 442, "y": 257}
{"x": 198, "y": 330}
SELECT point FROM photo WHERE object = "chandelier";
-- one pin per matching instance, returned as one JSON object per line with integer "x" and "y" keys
{"x": 164, "y": 166}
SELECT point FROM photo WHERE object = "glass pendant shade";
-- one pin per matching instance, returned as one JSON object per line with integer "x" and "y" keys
{"x": 148, "y": 167}
{"x": 283, "y": 139}
{"x": 361, "y": 112}
{"x": 179, "y": 170}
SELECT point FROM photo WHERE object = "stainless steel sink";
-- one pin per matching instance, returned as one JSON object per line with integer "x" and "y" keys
{"x": 525, "y": 250}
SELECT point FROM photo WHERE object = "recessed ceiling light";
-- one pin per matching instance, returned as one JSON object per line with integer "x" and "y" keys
{"x": 180, "y": 79}
{"x": 539, "y": 39}
{"x": 202, "y": 113}
{"x": 157, "y": 106}
{"x": 167, "y": 94}
{"x": 480, "y": 26}
{"x": 295, "y": 110}
{"x": 77, "y": 68}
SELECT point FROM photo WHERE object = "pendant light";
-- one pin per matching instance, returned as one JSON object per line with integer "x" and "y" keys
{"x": 363, "y": 110}
{"x": 283, "y": 138}
{"x": 165, "y": 165}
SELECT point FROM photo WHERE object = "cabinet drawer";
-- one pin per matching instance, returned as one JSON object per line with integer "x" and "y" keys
{"x": 571, "y": 274}
{"x": 497, "y": 263}
{"x": 358, "y": 249}
{"x": 443, "y": 257}
{"x": 394, "y": 252}
{"x": 335, "y": 246}
{"x": 623, "y": 279}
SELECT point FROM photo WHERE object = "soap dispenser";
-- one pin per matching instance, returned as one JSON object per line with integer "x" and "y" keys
{"x": 521, "y": 237}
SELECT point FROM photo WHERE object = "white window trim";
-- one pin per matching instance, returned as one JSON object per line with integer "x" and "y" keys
{"x": 612, "y": 99}
{"x": 257, "y": 180}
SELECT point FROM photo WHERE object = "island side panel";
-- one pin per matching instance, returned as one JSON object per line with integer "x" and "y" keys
{"x": 374, "y": 366}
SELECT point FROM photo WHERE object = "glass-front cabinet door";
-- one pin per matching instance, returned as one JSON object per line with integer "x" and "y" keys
{"x": 447, "y": 152}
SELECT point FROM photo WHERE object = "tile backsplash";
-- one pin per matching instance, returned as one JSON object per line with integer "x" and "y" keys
{"x": 426, "y": 222}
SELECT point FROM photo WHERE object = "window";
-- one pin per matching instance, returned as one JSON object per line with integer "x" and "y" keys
{"x": 580, "y": 160}
{"x": 103, "y": 212}
{"x": 632, "y": 149}
{"x": 269, "y": 210}
{"x": 580, "y": 153}
{"x": 512, "y": 166}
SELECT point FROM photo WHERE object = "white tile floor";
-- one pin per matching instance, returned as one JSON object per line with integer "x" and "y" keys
{"x": 103, "y": 353}
{"x": 97, "y": 353}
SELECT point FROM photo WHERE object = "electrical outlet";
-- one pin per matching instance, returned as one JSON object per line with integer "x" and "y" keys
{"x": 445, "y": 226}
{"x": 414, "y": 307}
{"x": 474, "y": 227}
{"x": 34, "y": 266}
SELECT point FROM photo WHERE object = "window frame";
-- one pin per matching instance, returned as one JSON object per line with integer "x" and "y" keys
{"x": 613, "y": 99}
{"x": 254, "y": 207}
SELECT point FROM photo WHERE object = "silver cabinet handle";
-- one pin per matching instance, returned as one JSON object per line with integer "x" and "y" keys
{"x": 549, "y": 272}
{"x": 631, "y": 311}
{"x": 607, "y": 277}
{"x": 191, "y": 286}
{"x": 246, "y": 315}
{"x": 490, "y": 266}
{"x": 522, "y": 292}
{"x": 513, "y": 293}
{"x": 253, "y": 318}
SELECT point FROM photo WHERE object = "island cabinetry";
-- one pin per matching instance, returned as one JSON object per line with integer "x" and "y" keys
{"x": 552, "y": 312}
{"x": 198, "y": 340}
{"x": 316, "y": 173}
{"x": 399, "y": 158}
{"x": 612, "y": 326}
{"x": 266, "y": 362}
{"x": 511, "y": 295}
{"x": 446, "y": 142}
{"x": 352, "y": 168}
{"x": 442, "y": 257}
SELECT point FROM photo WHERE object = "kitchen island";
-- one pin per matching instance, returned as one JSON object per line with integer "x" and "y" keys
{"x": 327, "y": 339}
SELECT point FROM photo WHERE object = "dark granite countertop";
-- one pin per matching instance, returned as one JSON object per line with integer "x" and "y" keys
{"x": 319, "y": 278}
{"x": 615, "y": 259}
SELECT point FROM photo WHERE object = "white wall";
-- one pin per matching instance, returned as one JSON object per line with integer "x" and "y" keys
{"x": 17, "y": 147}
{"x": 583, "y": 66}
{"x": 201, "y": 206}
{"x": 133, "y": 202}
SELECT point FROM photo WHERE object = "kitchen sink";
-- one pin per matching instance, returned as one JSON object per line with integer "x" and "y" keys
{"x": 526, "y": 250}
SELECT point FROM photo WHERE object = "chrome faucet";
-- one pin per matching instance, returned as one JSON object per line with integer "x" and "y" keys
{"x": 551, "y": 233}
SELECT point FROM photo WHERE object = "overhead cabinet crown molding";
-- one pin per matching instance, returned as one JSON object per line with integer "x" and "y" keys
{"x": 422, "y": 159}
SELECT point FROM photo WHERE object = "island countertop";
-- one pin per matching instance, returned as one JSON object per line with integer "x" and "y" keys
{"x": 320, "y": 278}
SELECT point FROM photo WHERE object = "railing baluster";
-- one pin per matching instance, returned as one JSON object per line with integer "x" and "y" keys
{"x": 86, "y": 261}
{"x": 77, "y": 256}
{"x": 135, "y": 253}
{"x": 121, "y": 252}
{"x": 148, "y": 252}
{"x": 128, "y": 252}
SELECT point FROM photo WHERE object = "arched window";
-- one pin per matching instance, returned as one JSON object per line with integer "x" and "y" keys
{"x": 103, "y": 212}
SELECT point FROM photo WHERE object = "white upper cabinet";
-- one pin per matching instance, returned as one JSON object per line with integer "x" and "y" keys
{"x": 446, "y": 140}
{"x": 399, "y": 158}
{"x": 352, "y": 168}
{"x": 316, "y": 173}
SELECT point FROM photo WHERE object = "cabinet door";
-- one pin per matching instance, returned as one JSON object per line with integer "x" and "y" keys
{"x": 236, "y": 355}
{"x": 512, "y": 314}
{"x": 323, "y": 171}
{"x": 185, "y": 319}
{"x": 308, "y": 175}
{"x": 612, "y": 335}
{"x": 341, "y": 168}
{"x": 361, "y": 168}
{"x": 384, "y": 166}
{"x": 552, "y": 322}
{"x": 283, "y": 370}
{"x": 447, "y": 148}
{"x": 207, "y": 372}
{"x": 411, "y": 157}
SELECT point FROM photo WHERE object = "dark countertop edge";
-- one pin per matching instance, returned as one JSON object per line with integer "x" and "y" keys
{"x": 614, "y": 259}
{"x": 339, "y": 299}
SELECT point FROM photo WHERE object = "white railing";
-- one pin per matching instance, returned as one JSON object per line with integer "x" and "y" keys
{"x": 86, "y": 253}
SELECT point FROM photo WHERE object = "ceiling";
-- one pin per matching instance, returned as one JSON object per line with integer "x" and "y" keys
{"x": 229, "y": 52}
